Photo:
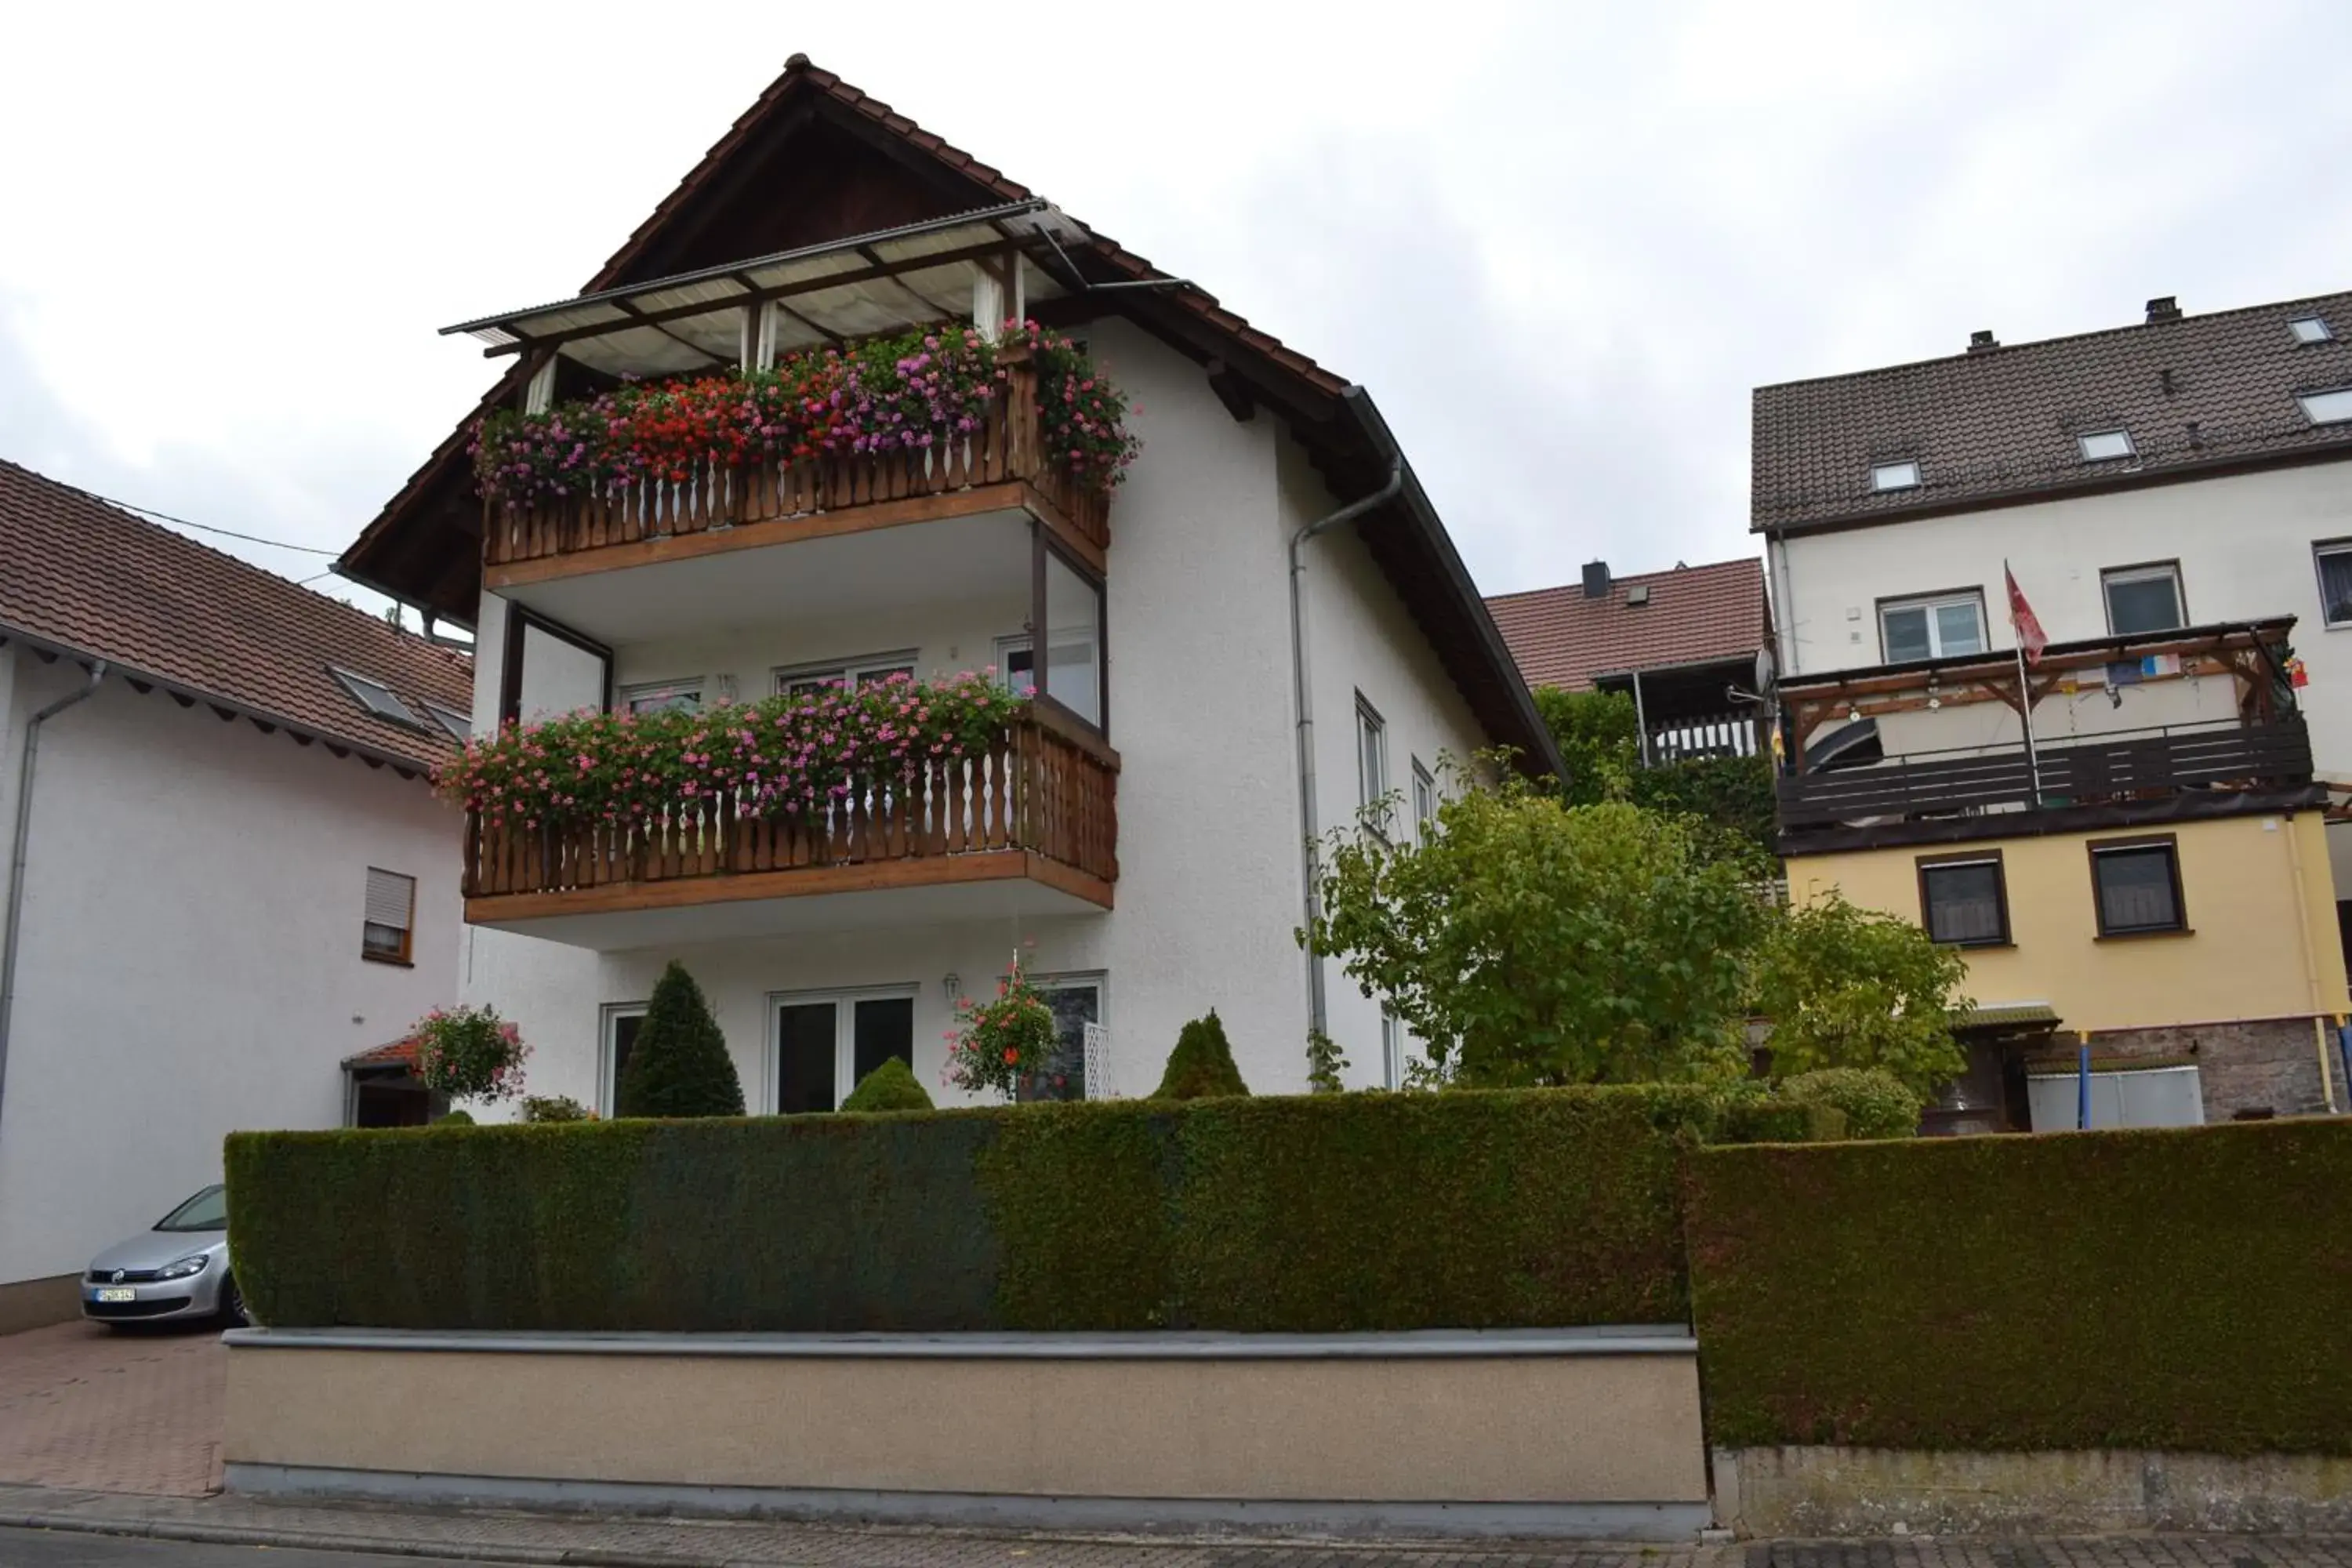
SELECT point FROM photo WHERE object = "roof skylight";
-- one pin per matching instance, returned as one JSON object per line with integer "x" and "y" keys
{"x": 377, "y": 698}
{"x": 2104, "y": 446}
{"x": 2310, "y": 330}
{"x": 2328, "y": 408}
{"x": 1902, "y": 476}
{"x": 460, "y": 727}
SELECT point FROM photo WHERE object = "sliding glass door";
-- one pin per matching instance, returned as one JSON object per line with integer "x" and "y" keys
{"x": 827, "y": 1043}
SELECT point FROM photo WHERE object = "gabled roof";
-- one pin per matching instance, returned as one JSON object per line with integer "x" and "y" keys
{"x": 859, "y": 166}
{"x": 83, "y": 578}
{"x": 1694, "y": 615}
{"x": 2197, "y": 394}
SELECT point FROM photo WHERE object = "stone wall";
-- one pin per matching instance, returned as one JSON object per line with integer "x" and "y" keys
{"x": 2262, "y": 1064}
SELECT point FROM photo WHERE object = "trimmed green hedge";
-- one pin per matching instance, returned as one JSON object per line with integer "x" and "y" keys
{"x": 1314, "y": 1213}
{"x": 2181, "y": 1289}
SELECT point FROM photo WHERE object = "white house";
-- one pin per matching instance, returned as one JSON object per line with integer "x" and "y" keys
{"x": 2183, "y": 471}
{"x": 1154, "y": 866}
{"x": 228, "y": 872}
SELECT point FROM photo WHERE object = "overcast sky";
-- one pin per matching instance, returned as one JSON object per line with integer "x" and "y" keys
{"x": 1559, "y": 243}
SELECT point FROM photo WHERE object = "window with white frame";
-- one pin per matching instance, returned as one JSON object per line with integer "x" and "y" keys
{"x": 848, "y": 675}
{"x": 1371, "y": 754}
{"x": 1424, "y": 801}
{"x": 2143, "y": 598}
{"x": 2104, "y": 446}
{"x": 1937, "y": 626}
{"x": 2334, "y": 563}
{"x": 1392, "y": 1050}
{"x": 826, "y": 1042}
{"x": 622, "y": 1021}
{"x": 1077, "y": 1001}
{"x": 385, "y": 930}
{"x": 1902, "y": 476}
{"x": 1016, "y": 666}
{"x": 2328, "y": 408}
{"x": 663, "y": 697}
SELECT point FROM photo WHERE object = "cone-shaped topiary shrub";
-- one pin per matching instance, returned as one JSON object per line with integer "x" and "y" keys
{"x": 890, "y": 1087}
{"x": 679, "y": 1065}
{"x": 1201, "y": 1065}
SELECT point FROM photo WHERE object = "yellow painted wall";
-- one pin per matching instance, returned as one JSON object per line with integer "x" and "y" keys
{"x": 2242, "y": 880}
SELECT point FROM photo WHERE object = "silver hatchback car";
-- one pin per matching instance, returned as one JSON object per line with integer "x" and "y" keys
{"x": 176, "y": 1271}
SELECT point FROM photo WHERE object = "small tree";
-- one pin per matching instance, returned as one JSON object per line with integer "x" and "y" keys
{"x": 1599, "y": 737}
{"x": 1326, "y": 1063}
{"x": 1201, "y": 1065}
{"x": 1854, "y": 988}
{"x": 1531, "y": 943}
{"x": 890, "y": 1087}
{"x": 679, "y": 1065}
{"x": 1877, "y": 1103}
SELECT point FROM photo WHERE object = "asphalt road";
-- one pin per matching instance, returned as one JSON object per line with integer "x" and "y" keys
{"x": 71, "y": 1549}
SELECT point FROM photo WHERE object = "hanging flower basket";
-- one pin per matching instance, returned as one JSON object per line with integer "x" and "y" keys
{"x": 997, "y": 1043}
{"x": 468, "y": 1053}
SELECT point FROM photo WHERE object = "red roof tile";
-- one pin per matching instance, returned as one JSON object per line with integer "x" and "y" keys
{"x": 399, "y": 1054}
{"x": 1695, "y": 613}
{"x": 81, "y": 574}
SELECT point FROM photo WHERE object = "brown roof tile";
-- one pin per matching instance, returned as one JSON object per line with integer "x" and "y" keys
{"x": 80, "y": 575}
{"x": 2195, "y": 393}
{"x": 1695, "y": 613}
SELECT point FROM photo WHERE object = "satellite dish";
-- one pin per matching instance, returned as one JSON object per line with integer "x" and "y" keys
{"x": 1768, "y": 671}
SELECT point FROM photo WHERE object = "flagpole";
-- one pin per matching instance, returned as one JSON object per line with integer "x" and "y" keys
{"x": 2024, "y": 684}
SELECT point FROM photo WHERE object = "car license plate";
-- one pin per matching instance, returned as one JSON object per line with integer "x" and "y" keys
{"x": 118, "y": 1295}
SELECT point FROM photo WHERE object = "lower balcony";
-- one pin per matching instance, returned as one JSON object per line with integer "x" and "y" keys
{"x": 1027, "y": 828}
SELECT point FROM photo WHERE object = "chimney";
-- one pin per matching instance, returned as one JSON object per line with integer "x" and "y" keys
{"x": 2163, "y": 308}
{"x": 1596, "y": 579}
{"x": 1983, "y": 341}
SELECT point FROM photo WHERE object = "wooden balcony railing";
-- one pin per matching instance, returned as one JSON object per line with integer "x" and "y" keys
{"x": 1038, "y": 788}
{"x": 1008, "y": 447}
{"x": 2124, "y": 767}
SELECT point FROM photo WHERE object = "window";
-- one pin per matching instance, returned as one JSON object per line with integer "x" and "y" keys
{"x": 1372, "y": 754}
{"x": 2143, "y": 598}
{"x": 663, "y": 697}
{"x": 460, "y": 728}
{"x": 1902, "y": 476}
{"x": 2334, "y": 563}
{"x": 2104, "y": 446}
{"x": 377, "y": 698}
{"x": 1074, "y": 639}
{"x": 826, "y": 1044}
{"x": 2136, "y": 885}
{"x": 391, "y": 909}
{"x": 1963, "y": 899}
{"x": 1937, "y": 627}
{"x": 1016, "y": 666}
{"x": 1424, "y": 801}
{"x": 1077, "y": 1001}
{"x": 1392, "y": 1050}
{"x": 849, "y": 675}
{"x": 2328, "y": 408}
{"x": 622, "y": 1022}
{"x": 2309, "y": 330}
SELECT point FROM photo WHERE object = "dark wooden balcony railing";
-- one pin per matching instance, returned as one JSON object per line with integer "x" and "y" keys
{"x": 1037, "y": 789}
{"x": 1008, "y": 447}
{"x": 2124, "y": 767}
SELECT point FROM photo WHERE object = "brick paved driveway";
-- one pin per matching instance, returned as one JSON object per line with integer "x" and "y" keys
{"x": 85, "y": 1407}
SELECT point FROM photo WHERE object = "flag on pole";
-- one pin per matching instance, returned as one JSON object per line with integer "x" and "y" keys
{"x": 2030, "y": 639}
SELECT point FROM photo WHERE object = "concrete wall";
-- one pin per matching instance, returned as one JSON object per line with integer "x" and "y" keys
{"x": 1209, "y": 875}
{"x": 2245, "y": 881}
{"x": 1825, "y": 1492}
{"x": 1544, "y": 1437}
{"x": 191, "y": 959}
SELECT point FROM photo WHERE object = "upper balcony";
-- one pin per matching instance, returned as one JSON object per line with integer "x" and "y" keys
{"x": 870, "y": 382}
{"x": 2146, "y": 728}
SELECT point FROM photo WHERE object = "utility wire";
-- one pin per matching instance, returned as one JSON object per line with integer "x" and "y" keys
{"x": 207, "y": 528}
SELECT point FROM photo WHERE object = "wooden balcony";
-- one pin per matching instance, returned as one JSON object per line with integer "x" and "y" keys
{"x": 2254, "y": 761}
{"x": 1001, "y": 467}
{"x": 1029, "y": 827}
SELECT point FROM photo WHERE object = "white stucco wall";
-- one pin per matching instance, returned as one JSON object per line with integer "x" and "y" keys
{"x": 190, "y": 952}
{"x": 1210, "y": 881}
{"x": 2243, "y": 542}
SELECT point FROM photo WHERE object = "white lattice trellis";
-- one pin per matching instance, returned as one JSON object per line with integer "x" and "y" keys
{"x": 1098, "y": 1050}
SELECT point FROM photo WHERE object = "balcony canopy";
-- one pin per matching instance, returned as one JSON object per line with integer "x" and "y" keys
{"x": 820, "y": 294}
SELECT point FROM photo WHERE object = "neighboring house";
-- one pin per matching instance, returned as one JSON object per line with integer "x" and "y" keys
{"x": 229, "y": 870}
{"x": 1683, "y": 644}
{"x": 1151, "y": 866}
{"x": 2175, "y": 499}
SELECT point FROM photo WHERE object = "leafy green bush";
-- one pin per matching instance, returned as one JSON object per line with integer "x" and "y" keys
{"x": 2175, "y": 1289}
{"x": 1326, "y": 1063}
{"x": 453, "y": 1118}
{"x": 1201, "y": 1065}
{"x": 554, "y": 1107}
{"x": 1763, "y": 1118}
{"x": 1518, "y": 1208}
{"x": 679, "y": 1065}
{"x": 1848, "y": 987}
{"x": 890, "y": 1087}
{"x": 1876, "y": 1104}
